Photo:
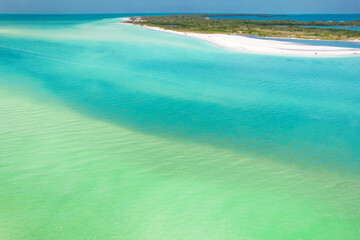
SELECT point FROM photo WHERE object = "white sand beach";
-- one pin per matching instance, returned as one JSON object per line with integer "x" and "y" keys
{"x": 266, "y": 46}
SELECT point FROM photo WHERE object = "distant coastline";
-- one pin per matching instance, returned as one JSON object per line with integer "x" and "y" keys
{"x": 260, "y": 45}
{"x": 241, "y": 15}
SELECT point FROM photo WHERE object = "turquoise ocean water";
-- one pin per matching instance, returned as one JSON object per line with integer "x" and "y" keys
{"x": 112, "y": 131}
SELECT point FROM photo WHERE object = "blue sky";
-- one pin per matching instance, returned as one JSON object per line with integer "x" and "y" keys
{"x": 185, "y": 6}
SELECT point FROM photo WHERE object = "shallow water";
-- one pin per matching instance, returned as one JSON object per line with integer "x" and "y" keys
{"x": 335, "y": 43}
{"x": 117, "y": 132}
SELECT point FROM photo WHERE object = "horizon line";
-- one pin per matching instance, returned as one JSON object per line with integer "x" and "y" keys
{"x": 176, "y": 13}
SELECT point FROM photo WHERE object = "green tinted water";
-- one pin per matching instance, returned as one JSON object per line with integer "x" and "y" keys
{"x": 172, "y": 138}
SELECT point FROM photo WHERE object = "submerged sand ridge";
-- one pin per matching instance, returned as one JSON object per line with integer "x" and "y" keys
{"x": 266, "y": 46}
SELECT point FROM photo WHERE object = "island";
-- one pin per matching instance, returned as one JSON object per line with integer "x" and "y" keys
{"x": 208, "y": 23}
{"x": 256, "y": 36}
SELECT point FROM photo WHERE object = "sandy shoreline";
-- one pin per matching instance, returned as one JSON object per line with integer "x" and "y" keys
{"x": 265, "y": 46}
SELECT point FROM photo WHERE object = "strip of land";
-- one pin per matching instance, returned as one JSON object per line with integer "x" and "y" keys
{"x": 263, "y": 28}
{"x": 244, "y": 43}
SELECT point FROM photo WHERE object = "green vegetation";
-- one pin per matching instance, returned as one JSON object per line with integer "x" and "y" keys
{"x": 202, "y": 23}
